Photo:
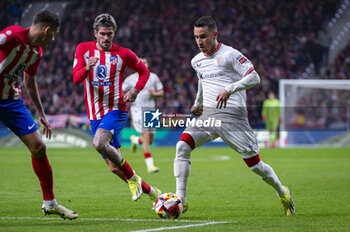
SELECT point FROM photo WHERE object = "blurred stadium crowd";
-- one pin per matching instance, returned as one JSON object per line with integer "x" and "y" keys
{"x": 280, "y": 37}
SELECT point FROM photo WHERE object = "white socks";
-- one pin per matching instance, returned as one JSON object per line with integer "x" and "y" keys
{"x": 182, "y": 170}
{"x": 50, "y": 203}
{"x": 136, "y": 140}
{"x": 149, "y": 162}
{"x": 269, "y": 176}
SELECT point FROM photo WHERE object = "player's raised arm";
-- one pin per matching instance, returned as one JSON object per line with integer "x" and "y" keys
{"x": 81, "y": 69}
{"x": 137, "y": 65}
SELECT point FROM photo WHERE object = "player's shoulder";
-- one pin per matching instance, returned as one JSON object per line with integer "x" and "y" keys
{"x": 14, "y": 31}
{"x": 121, "y": 50}
{"x": 229, "y": 50}
{"x": 197, "y": 58}
{"x": 153, "y": 75}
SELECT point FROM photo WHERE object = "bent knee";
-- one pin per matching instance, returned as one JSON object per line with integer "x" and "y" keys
{"x": 98, "y": 145}
{"x": 38, "y": 149}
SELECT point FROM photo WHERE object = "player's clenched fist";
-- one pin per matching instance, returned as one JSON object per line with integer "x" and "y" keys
{"x": 92, "y": 61}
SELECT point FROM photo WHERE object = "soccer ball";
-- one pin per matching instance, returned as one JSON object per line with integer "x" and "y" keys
{"x": 168, "y": 205}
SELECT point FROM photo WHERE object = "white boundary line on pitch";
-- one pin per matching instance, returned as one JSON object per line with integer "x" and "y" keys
{"x": 184, "y": 226}
{"x": 118, "y": 219}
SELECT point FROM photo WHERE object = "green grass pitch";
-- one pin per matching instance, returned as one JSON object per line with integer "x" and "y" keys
{"x": 221, "y": 189}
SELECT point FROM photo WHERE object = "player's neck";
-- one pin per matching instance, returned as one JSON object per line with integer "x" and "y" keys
{"x": 213, "y": 49}
{"x": 33, "y": 35}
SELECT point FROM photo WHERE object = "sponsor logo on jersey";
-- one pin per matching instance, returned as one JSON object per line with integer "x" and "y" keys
{"x": 210, "y": 75}
{"x": 113, "y": 60}
{"x": 19, "y": 70}
{"x": 101, "y": 72}
{"x": 101, "y": 83}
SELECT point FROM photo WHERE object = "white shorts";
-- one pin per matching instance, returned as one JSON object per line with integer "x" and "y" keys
{"x": 238, "y": 135}
{"x": 137, "y": 120}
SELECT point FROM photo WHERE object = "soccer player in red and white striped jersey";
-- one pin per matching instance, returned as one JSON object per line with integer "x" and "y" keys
{"x": 100, "y": 65}
{"x": 20, "y": 52}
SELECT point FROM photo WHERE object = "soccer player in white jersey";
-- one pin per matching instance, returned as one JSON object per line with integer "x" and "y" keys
{"x": 21, "y": 50}
{"x": 100, "y": 64}
{"x": 224, "y": 74}
{"x": 144, "y": 101}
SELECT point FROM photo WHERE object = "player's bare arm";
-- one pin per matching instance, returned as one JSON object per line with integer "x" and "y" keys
{"x": 131, "y": 95}
{"x": 32, "y": 90}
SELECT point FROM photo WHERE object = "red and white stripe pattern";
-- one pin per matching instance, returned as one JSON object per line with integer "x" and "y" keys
{"x": 16, "y": 56}
{"x": 101, "y": 99}
{"x": 103, "y": 84}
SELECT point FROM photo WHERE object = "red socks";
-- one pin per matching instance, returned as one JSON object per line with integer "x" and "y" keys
{"x": 147, "y": 155}
{"x": 42, "y": 169}
{"x": 126, "y": 169}
{"x": 145, "y": 187}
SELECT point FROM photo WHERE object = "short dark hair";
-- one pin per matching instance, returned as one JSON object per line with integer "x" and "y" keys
{"x": 105, "y": 20}
{"x": 47, "y": 17}
{"x": 206, "y": 21}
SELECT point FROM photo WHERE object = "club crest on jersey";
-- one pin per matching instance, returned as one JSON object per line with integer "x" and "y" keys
{"x": 101, "y": 72}
{"x": 218, "y": 60}
{"x": 113, "y": 60}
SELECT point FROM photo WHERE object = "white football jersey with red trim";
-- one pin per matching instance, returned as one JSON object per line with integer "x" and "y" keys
{"x": 223, "y": 67}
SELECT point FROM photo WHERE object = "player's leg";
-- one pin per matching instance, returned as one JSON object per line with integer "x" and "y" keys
{"x": 146, "y": 138}
{"x": 242, "y": 139}
{"x": 18, "y": 119}
{"x": 189, "y": 140}
{"x": 136, "y": 115}
{"x": 151, "y": 191}
{"x": 106, "y": 140}
{"x": 114, "y": 169}
{"x": 101, "y": 144}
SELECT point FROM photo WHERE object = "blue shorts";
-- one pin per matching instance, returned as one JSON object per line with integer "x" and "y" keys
{"x": 16, "y": 117}
{"x": 113, "y": 121}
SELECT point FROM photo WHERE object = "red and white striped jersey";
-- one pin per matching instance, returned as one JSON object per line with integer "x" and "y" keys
{"x": 103, "y": 83}
{"x": 16, "y": 56}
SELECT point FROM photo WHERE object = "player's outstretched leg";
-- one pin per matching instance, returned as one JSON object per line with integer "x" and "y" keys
{"x": 42, "y": 169}
{"x": 134, "y": 181}
{"x": 182, "y": 169}
{"x": 135, "y": 185}
{"x": 60, "y": 210}
{"x": 268, "y": 175}
{"x": 287, "y": 202}
{"x": 153, "y": 196}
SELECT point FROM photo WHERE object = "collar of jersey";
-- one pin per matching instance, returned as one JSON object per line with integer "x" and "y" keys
{"x": 212, "y": 53}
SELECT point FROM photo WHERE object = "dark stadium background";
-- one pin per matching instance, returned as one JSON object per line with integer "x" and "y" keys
{"x": 280, "y": 37}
